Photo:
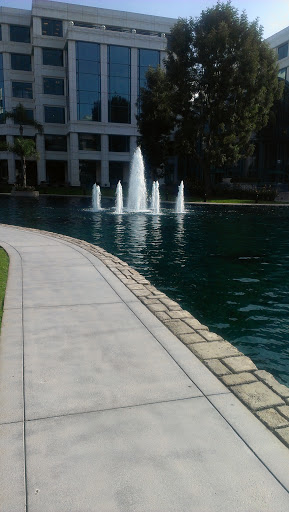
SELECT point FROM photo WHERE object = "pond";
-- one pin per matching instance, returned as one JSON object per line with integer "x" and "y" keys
{"x": 227, "y": 265}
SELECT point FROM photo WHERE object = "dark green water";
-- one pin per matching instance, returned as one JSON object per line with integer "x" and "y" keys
{"x": 227, "y": 265}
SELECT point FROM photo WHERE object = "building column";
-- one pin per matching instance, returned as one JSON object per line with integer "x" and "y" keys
{"x": 71, "y": 65}
{"x": 104, "y": 161}
{"x": 41, "y": 164}
{"x": 73, "y": 161}
{"x": 104, "y": 83}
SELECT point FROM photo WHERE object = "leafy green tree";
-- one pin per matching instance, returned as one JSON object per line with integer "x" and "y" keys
{"x": 25, "y": 149}
{"x": 222, "y": 80}
{"x": 19, "y": 116}
{"x": 156, "y": 119}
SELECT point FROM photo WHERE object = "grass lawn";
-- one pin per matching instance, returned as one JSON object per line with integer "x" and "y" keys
{"x": 4, "y": 264}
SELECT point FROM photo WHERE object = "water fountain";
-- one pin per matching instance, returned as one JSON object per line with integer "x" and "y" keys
{"x": 119, "y": 199}
{"x": 180, "y": 204}
{"x": 155, "y": 202}
{"x": 96, "y": 198}
{"x": 137, "y": 193}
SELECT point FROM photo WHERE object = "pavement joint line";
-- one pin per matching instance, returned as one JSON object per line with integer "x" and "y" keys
{"x": 123, "y": 272}
{"x": 10, "y": 422}
{"x": 249, "y": 447}
{"x": 71, "y": 305}
{"x": 23, "y": 385}
{"x": 132, "y": 406}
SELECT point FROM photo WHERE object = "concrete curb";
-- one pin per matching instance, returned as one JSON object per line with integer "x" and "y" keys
{"x": 264, "y": 396}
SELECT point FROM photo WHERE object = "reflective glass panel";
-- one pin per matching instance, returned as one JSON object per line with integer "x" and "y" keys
{"x": 22, "y": 90}
{"x": 89, "y": 111}
{"x": 119, "y": 143}
{"x": 54, "y": 115}
{"x": 282, "y": 73}
{"x": 88, "y": 81}
{"x": 89, "y": 142}
{"x": 52, "y": 57}
{"x": 19, "y": 33}
{"x": 119, "y": 84}
{"x": 119, "y": 55}
{"x": 29, "y": 114}
{"x": 283, "y": 51}
{"x": 146, "y": 59}
{"x": 87, "y": 51}
{"x": 20, "y": 61}
{"x": 52, "y": 27}
{"x": 55, "y": 143}
{"x": 53, "y": 86}
{"x": 149, "y": 58}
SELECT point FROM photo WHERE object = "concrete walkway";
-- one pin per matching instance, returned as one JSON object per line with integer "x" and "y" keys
{"x": 102, "y": 409}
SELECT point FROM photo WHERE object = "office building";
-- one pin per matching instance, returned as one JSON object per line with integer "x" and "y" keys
{"x": 77, "y": 70}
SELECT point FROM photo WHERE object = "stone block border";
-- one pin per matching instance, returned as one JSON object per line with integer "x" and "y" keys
{"x": 267, "y": 399}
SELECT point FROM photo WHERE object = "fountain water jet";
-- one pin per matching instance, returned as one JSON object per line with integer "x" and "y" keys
{"x": 119, "y": 199}
{"x": 137, "y": 193}
{"x": 180, "y": 204}
{"x": 96, "y": 198}
{"x": 155, "y": 203}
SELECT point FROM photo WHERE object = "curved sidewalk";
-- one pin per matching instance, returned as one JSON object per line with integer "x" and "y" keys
{"x": 103, "y": 409}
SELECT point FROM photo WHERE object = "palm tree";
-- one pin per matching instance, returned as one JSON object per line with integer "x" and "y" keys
{"x": 24, "y": 148}
{"x": 19, "y": 116}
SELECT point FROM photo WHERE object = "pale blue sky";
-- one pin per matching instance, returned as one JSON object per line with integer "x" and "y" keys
{"x": 273, "y": 15}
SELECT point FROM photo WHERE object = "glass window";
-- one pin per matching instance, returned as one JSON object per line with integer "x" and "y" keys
{"x": 0, "y": 33}
{"x": 283, "y": 51}
{"x": 2, "y": 103}
{"x": 52, "y": 57}
{"x": 54, "y": 115}
{"x": 22, "y": 90}
{"x": 87, "y": 51}
{"x": 119, "y": 143}
{"x": 3, "y": 171}
{"x": 88, "y": 81}
{"x": 52, "y": 27}
{"x": 19, "y": 33}
{"x": 146, "y": 59}
{"x": 29, "y": 114}
{"x": 119, "y": 84}
{"x": 149, "y": 58}
{"x": 53, "y": 86}
{"x": 89, "y": 142}
{"x": 20, "y": 61}
{"x": 88, "y": 112}
{"x": 119, "y": 55}
{"x": 55, "y": 143}
{"x": 282, "y": 73}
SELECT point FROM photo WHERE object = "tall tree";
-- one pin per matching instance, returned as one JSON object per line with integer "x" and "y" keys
{"x": 24, "y": 149}
{"x": 156, "y": 119}
{"x": 222, "y": 80}
{"x": 19, "y": 116}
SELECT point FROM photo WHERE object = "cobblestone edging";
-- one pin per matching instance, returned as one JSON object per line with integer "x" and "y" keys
{"x": 257, "y": 389}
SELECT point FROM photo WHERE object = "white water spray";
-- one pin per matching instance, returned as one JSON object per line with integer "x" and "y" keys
{"x": 155, "y": 202}
{"x": 180, "y": 204}
{"x": 119, "y": 199}
{"x": 137, "y": 193}
{"x": 96, "y": 198}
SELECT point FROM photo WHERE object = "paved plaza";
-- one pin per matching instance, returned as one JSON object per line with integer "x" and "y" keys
{"x": 103, "y": 409}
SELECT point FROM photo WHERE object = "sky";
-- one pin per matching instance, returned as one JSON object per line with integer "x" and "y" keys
{"x": 273, "y": 15}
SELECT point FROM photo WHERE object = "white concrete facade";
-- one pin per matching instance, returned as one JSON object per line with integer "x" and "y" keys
{"x": 102, "y": 26}
{"x": 280, "y": 41}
